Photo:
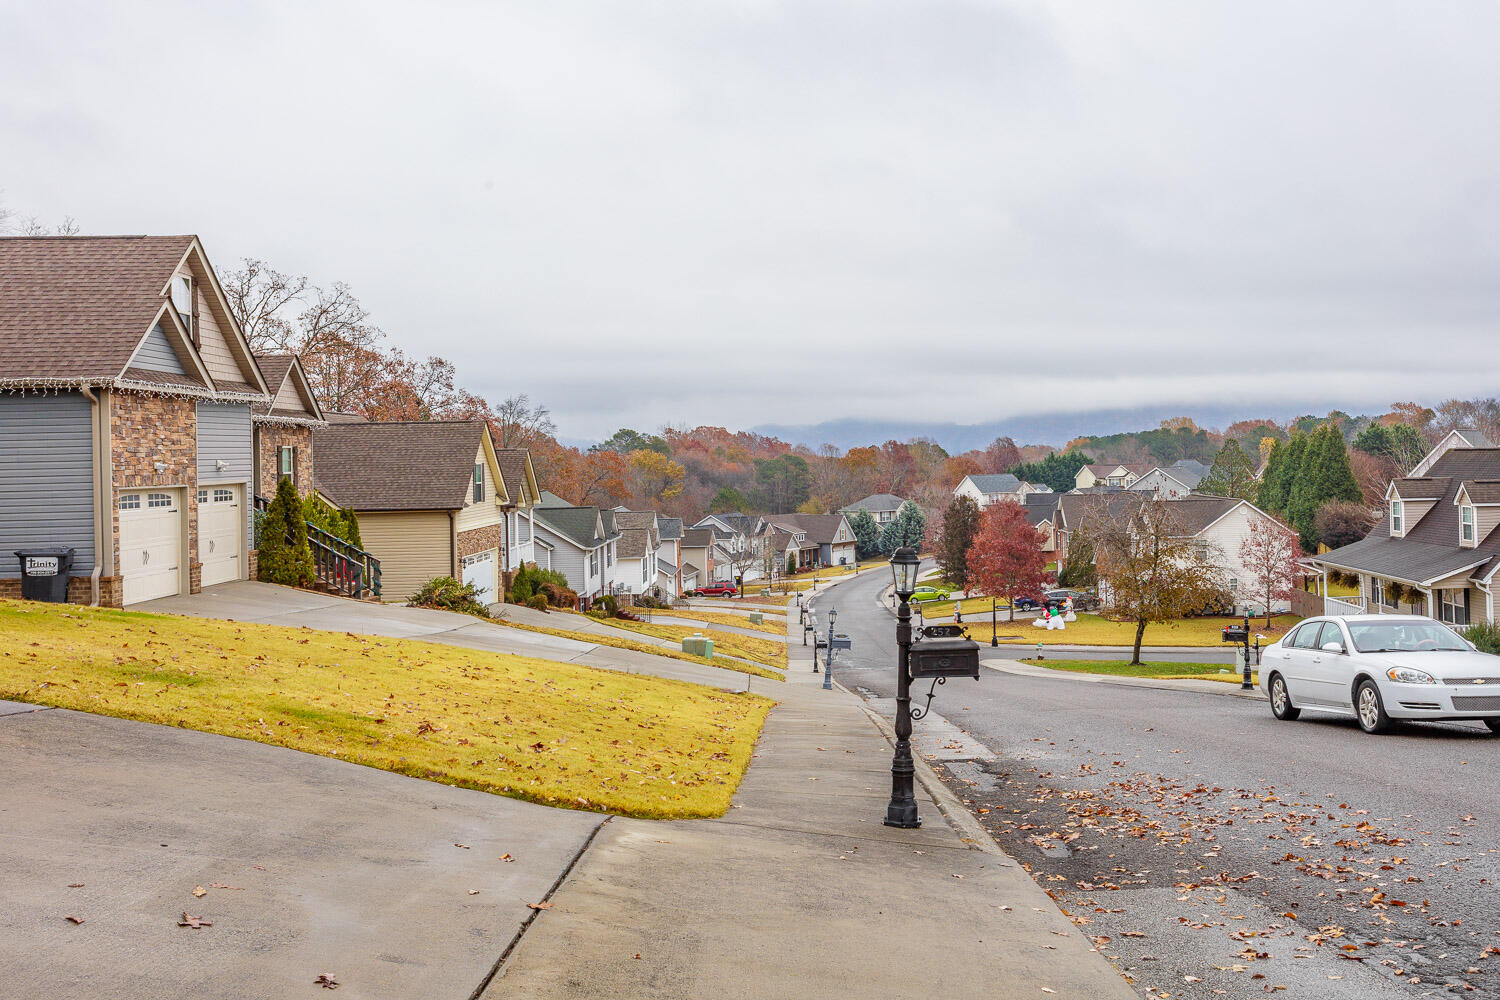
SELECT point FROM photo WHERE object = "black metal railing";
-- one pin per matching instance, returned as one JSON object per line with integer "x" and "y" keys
{"x": 339, "y": 565}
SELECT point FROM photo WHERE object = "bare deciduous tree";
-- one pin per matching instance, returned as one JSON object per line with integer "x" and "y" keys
{"x": 259, "y": 296}
{"x": 1150, "y": 568}
{"x": 520, "y": 423}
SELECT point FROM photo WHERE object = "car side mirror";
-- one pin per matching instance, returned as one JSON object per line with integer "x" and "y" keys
{"x": 1333, "y": 647}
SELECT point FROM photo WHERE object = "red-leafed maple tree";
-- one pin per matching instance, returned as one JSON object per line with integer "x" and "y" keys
{"x": 1005, "y": 559}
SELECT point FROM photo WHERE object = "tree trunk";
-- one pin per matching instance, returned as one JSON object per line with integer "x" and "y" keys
{"x": 1140, "y": 632}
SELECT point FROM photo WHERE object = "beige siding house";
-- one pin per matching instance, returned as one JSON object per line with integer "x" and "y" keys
{"x": 430, "y": 497}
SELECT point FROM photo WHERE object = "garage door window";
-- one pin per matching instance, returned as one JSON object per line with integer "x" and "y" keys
{"x": 158, "y": 500}
{"x": 130, "y": 501}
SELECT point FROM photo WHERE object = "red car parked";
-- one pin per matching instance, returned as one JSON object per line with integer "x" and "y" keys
{"x": 717, "y": 590}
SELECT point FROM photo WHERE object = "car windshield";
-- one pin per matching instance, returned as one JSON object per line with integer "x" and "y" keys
{"x": 1415, "y": 637}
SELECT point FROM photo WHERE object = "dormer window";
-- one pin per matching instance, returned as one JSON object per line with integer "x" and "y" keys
{"x": 1396, "y": 517}
{"x": 478, "y": 481}
{"x": 1466, "y": 525}
{"x": 182, "y": 300}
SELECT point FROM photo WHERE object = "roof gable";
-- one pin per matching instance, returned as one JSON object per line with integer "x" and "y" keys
{"x": 409, "y": 465}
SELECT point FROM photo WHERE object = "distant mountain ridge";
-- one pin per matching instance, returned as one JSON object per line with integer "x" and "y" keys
{"x": 1056, "y": 429}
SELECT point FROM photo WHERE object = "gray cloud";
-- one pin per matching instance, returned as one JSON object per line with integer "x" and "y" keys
{"x": 697, "y": 212}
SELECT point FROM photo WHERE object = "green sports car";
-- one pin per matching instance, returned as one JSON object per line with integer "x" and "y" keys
{"x": 926, "y": 592}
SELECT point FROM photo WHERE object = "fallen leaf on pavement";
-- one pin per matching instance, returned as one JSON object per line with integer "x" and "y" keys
{"x": 506, "y": 857}
{"x": 75, "y": 885}
{"x": 473, "y": 892}
{"x": 327, "y": 982}
{"x": 72, "y": 919}
{"x": 543, "y": 905}
{"x": 196, "y": 923}
{"x": 199, "y": 891}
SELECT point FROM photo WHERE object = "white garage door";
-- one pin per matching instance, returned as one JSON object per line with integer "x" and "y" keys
{"x": 150, "y": 545}
{"x": 479, "y": 569}
{"x": 221, "y": 533}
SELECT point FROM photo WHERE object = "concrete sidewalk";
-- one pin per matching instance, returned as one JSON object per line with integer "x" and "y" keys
{"x": 801, "y": 891}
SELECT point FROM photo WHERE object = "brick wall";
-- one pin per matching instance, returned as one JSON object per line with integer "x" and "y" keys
{"x": 480, "y": 539}
{"x": 145, "y": 430}
{"x": 269, "y": 437}
{"x": 79, "y": 590}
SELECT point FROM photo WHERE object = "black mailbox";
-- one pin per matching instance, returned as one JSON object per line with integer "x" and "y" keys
{"x": 1235, "y": 633}
{"x": 946, "y": 657}
{"x": 945, "y": 632}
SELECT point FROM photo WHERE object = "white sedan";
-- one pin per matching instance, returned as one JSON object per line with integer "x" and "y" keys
{"x": 1378, "y": 668}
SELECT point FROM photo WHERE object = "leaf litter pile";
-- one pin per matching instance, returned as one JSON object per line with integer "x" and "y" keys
{"x": 555, "y": 733}
{"x": 1251, "y": 874}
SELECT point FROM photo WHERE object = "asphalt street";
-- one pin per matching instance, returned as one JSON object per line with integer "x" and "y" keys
{"x": 1210, "y": 850}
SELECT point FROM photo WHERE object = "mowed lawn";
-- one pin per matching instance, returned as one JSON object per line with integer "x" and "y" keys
{"x": 773, "y": 622}
{"x": 767, "y": 652}
{"x": 554, "y": 733}
{"x": 1093, "y": 630}
{"x": 1165, "y": 670}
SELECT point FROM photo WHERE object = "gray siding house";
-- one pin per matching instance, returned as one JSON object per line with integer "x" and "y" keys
{"x": 583, "y": 544}
{"x": 126, "y": 390}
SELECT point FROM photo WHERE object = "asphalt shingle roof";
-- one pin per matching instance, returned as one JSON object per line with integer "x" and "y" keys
{"x": 577, "y": 524}
{"x": 409, "y": 465}
{"x": 999, "y": 482}
{"x": 875, "y": 502}
{"x": 670, "y": 527}
{"x": 512, "y": 462}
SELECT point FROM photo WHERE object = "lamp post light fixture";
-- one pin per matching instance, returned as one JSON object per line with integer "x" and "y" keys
{"x": 902, "y": 810}
{"x": 833, "y": 614}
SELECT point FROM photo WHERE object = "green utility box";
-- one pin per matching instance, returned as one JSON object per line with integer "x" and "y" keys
{"x": 756, "y": 618}
{"x": 697, "y": 645}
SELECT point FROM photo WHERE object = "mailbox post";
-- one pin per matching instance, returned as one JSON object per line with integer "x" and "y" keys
{"x": 943, "y": 653}
{"x": 1241, "y": 634}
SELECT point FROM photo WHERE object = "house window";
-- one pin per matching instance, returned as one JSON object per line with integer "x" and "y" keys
{"x": 1396, "y": 517}
{"x": 182, "y": 299}
{"x": 1234, "y": 585}
{"x": 478, "y": 481}
{"x": 286, "y": 462}
{"x": 594, "y": 563}
{"x": 1466, "y": 523}
{"x": 1455, "y": 608}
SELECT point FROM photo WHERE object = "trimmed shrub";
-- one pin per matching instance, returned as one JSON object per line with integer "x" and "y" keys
{"x": 285, "y": 557}
{"x": 537, "y": 602}
{"x": 446, "y": 594}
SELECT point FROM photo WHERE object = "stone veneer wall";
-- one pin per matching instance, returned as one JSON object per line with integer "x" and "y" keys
{"x": 145, "y": 430}
{"x": 480, "y": 539}
{"x": 269, "y": 437}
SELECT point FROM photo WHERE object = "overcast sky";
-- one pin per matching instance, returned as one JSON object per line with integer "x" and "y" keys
{"x": 700, "y": 212}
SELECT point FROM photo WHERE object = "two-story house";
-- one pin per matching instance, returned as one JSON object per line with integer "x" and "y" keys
{"x": 126, "y": 389}
{"x": 993, "y": 488}
{"x": 522, "y": 494}
{"x": 1168, "y": 482}
{"x": 1436, "y": 551}
{"x": 582, "y": 544}
{"x": 640, "y": 538}
{"x": 669, "y": 556}
{"x": 881, "y": 506}
{"x": 1104, "y": 474}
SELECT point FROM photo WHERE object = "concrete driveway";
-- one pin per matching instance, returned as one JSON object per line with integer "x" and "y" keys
{"x": 335, "y": 868}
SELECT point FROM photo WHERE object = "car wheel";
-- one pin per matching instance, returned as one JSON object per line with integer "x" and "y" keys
{"x": 1370, "y": 709}
{"x": 1494, "y": 725}
{"x": 1281, "y": 701}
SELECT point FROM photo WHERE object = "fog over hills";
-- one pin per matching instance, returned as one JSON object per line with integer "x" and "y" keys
{"x": 1042, "y": 428}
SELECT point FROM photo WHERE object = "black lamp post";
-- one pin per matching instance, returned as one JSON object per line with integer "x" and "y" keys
{"x": 994, "y": 623}
{"x": 833, "y": 614}
{"x": 902, "y": 810}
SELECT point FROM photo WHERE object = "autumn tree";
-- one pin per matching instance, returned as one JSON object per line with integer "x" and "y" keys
{"x": 1150, "y": 567}
{"x": 1269, "y": 552}
{"x": 1340, "y": 523}
{"x": 1001, "y": 455}
{"x": 784, "y": 482}
{"x": 1005, "y": 558}
{"x": 520, "y": 423}
{"x": 960, "y": 525}
{"x": 656, "y": 478}
{"x": 728, "y": 501}
{"x": 1232, "y": 474}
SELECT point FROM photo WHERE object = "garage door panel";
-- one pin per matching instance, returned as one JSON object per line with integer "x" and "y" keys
{"x": 150, "y": 545}
{"x": 220, "y": 534}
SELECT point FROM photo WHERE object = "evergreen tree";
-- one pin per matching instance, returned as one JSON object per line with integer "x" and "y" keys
{"x": 960, "y": 522}
{"x": 908, "y": 528}
{"x": 284, "y": 555}
{"x": 1231, "y": 475}
{"x": 1078, "y": 568}
{"x": 866, "y": 534}
{"x": 1323, "y": 474}
{"x": 1282, "y": 470}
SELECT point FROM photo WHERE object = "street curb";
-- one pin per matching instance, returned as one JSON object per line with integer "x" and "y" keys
{"x": 969, "y": 829}
{"x": 1155, "y": 684}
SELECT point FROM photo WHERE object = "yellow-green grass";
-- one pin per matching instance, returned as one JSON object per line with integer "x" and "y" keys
{"x": 763, "y": 651}
{"x": 776, "y": 626}
{"x": 1166, "y": 670}
{"x": 971, "y": 606}
{"x": 621, "y": 642}
{"x": 1094, "y": 630}
{"x": 554, "y": 733}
